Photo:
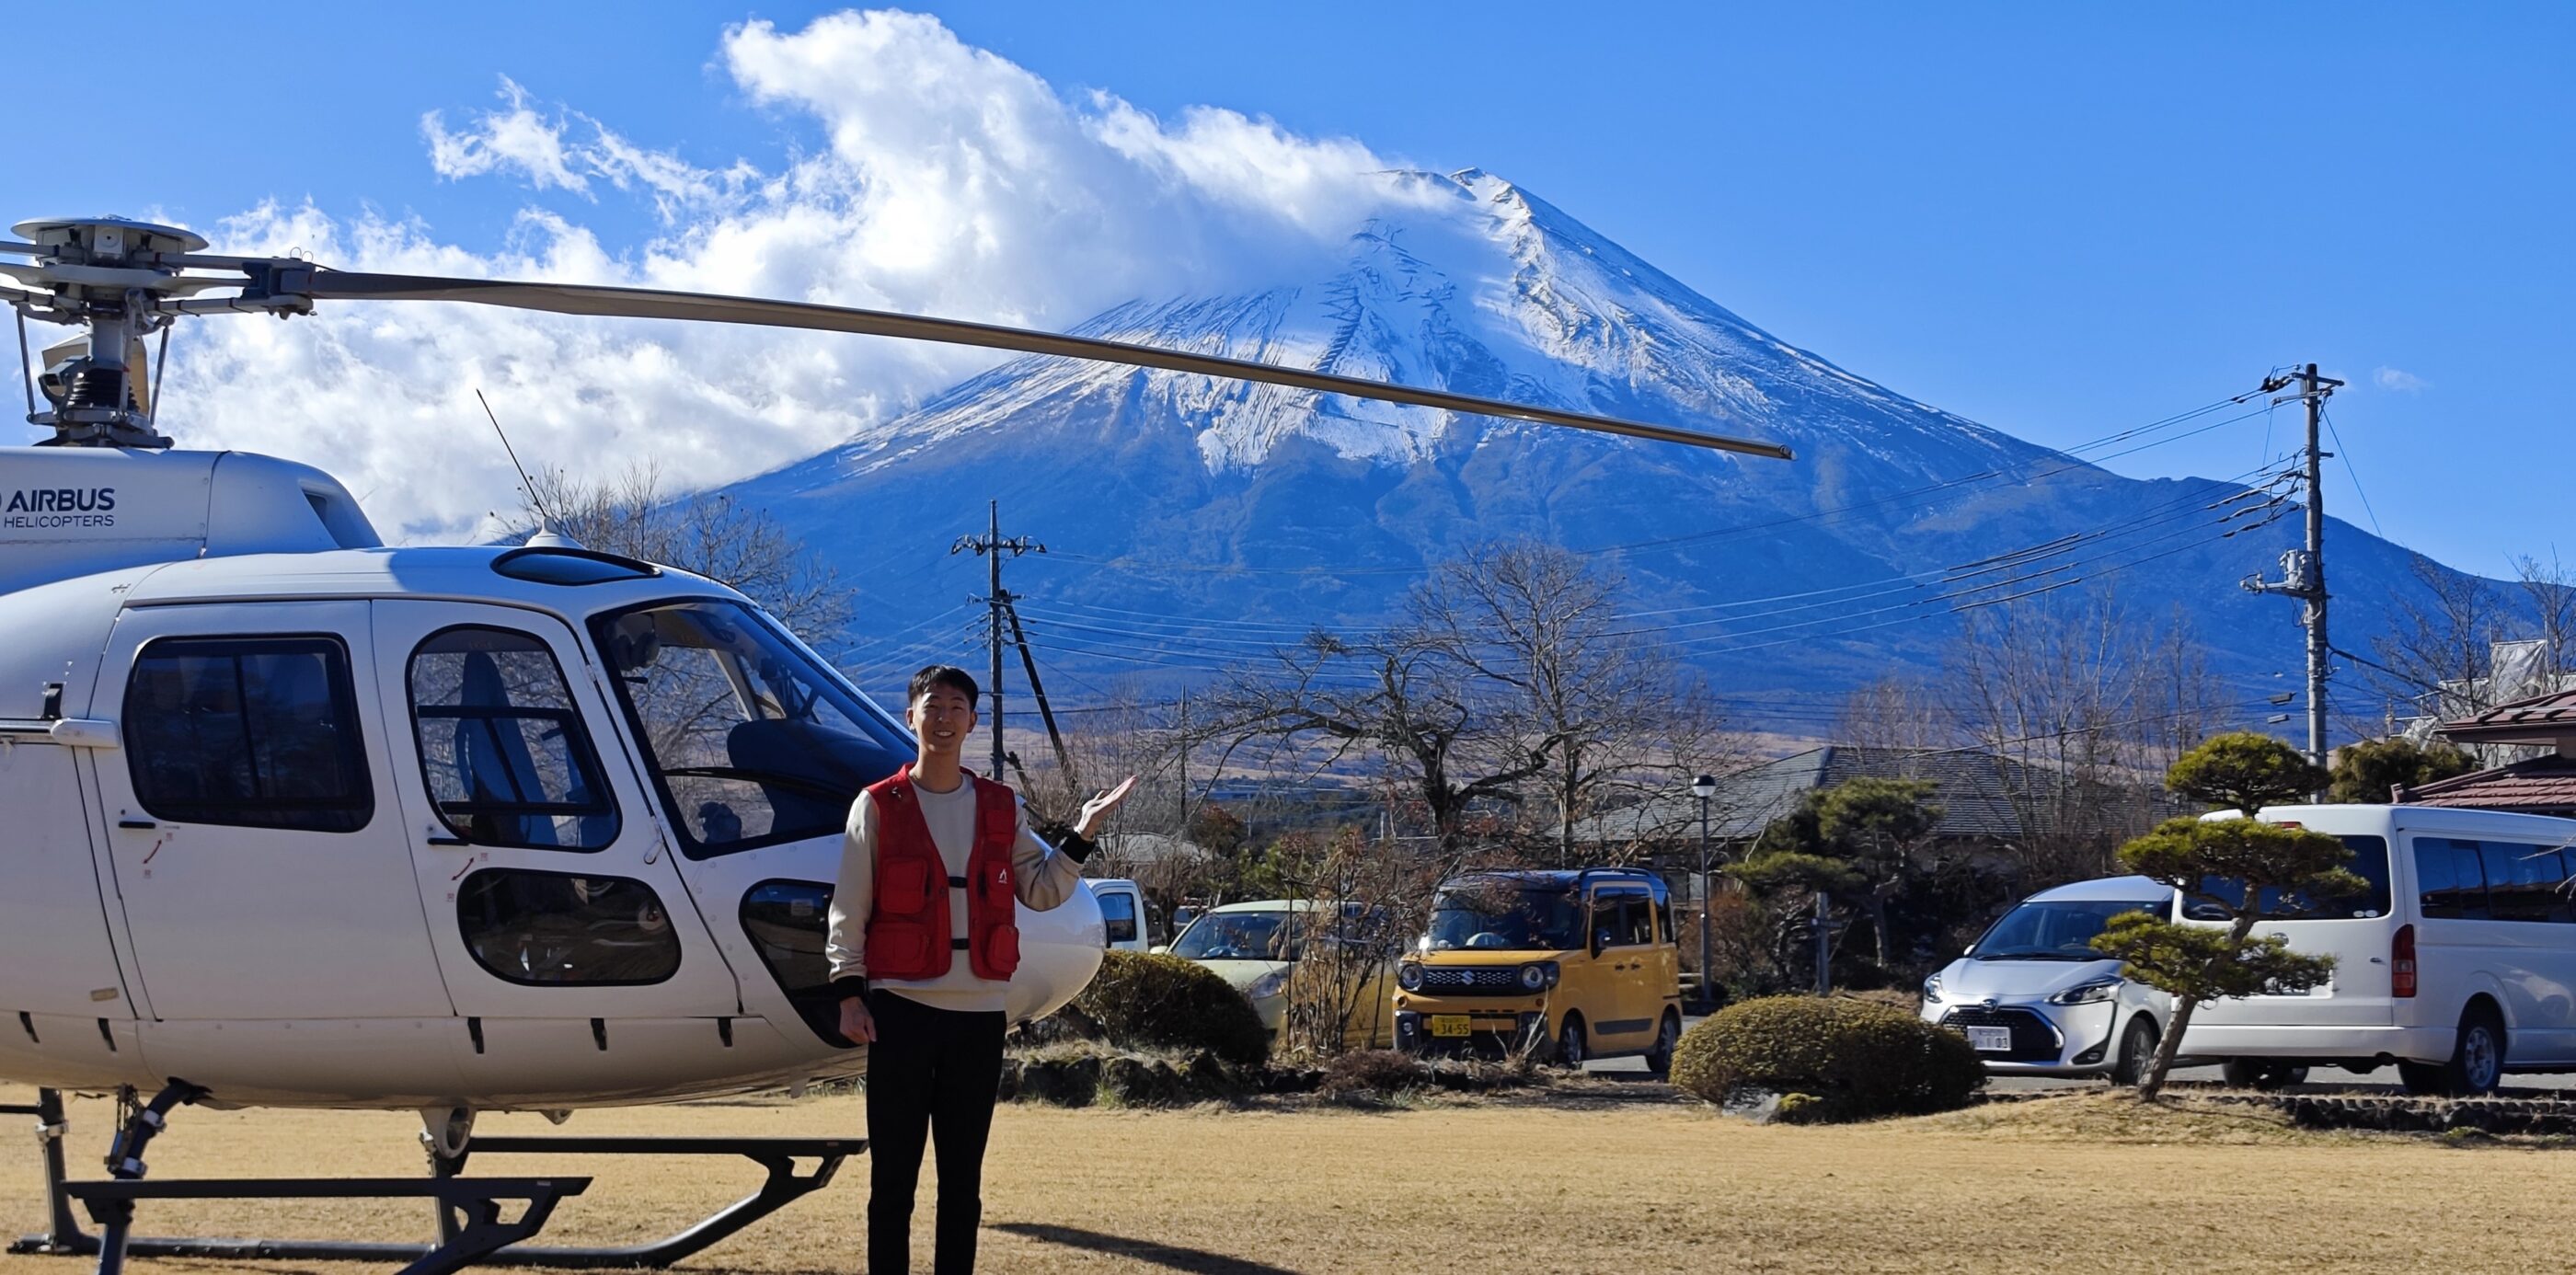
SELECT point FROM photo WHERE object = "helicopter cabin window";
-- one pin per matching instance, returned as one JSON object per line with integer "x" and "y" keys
{"x": 752, "y": 741}
{"x": 545, "y": 929}
{"x": 502, "y": 749}
{"x": 256, "y": 732}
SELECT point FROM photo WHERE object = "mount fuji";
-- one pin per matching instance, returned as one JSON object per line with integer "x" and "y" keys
{"x": 1195, "y": 523}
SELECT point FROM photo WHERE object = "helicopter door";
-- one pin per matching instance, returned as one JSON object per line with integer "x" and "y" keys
{"x": 255, "y": 840}
{"x": 550, "y": 895}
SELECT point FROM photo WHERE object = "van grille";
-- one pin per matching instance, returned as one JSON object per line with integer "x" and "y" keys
{"x": 1473, "y": 980}
{"x": 2033, "y": 1040}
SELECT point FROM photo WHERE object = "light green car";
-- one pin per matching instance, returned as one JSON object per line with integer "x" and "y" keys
{"x": 1255, "y": 947}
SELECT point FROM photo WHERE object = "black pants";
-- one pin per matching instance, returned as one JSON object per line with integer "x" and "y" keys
{"x": 932, "y": 1075}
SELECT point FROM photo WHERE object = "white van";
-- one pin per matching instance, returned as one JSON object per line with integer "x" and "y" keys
{"x": 1133, "y": 923}
{"x": 2458, "y": 964}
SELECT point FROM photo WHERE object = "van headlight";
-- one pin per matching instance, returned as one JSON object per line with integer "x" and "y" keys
{"x": 1266, "y": 986}
{"x": 1409, "y": 976}
{"x": 2100, "y": 989}
{"x": 1932, "y": 990}
{"x": 1539, "y": 975}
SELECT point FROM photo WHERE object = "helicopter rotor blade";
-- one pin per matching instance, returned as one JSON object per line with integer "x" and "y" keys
{"x": 647, "y": 303}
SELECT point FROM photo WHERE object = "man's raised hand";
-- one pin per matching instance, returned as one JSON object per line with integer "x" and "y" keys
{"x": 1096, "y": 810}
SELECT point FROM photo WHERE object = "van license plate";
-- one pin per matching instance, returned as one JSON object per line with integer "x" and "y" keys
{"x": 1452, "y": 1025}
{"x": 1990, "y": 1040}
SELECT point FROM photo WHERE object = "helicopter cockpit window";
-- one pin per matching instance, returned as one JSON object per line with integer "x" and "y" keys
{"x": 252, "y": 732}
{"x": 550, "y": 929}
{"x": 501, "y": 744}
{"x": 751, "y": 740}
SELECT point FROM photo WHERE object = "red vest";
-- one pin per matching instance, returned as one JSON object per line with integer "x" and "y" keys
{"x": 908, "y": 927}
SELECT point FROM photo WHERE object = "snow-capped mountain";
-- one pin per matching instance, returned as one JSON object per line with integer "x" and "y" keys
{"x": 1195, "y": 522}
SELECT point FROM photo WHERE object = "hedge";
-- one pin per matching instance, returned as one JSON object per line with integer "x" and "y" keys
{"x": 1840, "y": 1059}
{"x": 1147, "y": 1001}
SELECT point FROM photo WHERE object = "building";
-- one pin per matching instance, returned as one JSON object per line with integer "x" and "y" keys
{"x": 2541, "y": 785}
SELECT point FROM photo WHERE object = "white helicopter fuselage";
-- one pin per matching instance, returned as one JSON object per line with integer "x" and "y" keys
{"x": 307, "y": 821}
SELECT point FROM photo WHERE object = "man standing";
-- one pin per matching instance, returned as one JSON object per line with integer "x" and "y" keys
{"x": 923, "y": 946}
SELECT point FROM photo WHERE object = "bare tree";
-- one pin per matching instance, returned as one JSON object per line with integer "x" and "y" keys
{"x": 2548, "y": 591}
{"x": 2438, "y": 649}
{"x": 1395, "y": 699}
{"x": 712, "y": 535}
{"x": 1898, "y": 714}
{"x": 2077, "y": 705}
{"x": 1596, "y": 694}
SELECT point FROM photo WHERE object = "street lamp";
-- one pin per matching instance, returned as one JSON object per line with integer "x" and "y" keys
{"x": 1704, "y": 788}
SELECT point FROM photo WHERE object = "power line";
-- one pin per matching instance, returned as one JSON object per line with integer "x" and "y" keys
{"x": 2344, "y": 454}
{"x": 1130, "y": 562}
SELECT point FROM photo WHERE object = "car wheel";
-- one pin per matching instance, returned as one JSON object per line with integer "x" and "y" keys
{"x": 1570, "y": 1052}
{"x": 1659, "y": 1060}
{"x": 2260, "y": 1073}
{"x": 2137, "y": 1053}
{"x": 2477, "y": 1060}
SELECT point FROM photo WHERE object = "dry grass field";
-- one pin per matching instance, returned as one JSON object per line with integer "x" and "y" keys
{"x": 1615, "y": 1184}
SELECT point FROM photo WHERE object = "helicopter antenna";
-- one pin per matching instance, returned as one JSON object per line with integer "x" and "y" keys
{"x": 545, "y": 520}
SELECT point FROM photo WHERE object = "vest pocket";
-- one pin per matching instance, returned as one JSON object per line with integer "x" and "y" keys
{"x": 903, "y": 885}
{"x": 899, "y": 949}
{"x": 994, "y": 887}
{"x": 1002, "y": 949}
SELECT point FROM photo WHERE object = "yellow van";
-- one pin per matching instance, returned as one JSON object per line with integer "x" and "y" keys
{"x": 1574, "y": 965}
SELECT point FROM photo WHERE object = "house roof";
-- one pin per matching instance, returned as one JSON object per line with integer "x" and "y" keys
{"x": 1972, "y": 789}
{"x": 2538, "y": 719}
{"x": 2541, "y": 785}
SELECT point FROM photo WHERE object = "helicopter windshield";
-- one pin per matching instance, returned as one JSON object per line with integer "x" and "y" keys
{"x": 751, "y": 740}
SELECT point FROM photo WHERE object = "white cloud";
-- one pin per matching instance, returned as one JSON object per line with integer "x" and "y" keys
{"x": 2402, "y": 382}
{"x": 953, "y": 182}
{"x": 515, "y": 138}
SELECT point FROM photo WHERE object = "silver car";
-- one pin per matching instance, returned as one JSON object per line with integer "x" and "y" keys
{"x": 2034, "y": 998}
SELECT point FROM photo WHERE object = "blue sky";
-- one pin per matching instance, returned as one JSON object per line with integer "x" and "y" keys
{"x": 2058, "y": 220}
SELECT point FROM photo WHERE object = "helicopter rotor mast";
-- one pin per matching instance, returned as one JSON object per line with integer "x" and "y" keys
{"x": 124, "y": 279}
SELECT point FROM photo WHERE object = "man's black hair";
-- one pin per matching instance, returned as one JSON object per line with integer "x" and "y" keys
{"x": 937, "y": 675}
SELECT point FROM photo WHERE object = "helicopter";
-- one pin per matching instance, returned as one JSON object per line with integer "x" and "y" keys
{"x": 300, "y": 819}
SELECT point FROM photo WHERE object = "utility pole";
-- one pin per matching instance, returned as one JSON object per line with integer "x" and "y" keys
{"x": 991, "y": 547}
{"x": 1037, "y": 690}
{"x": 2303, "y": 570}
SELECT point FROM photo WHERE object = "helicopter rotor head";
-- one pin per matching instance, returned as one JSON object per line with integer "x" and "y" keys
{"x": 111, "y": 275}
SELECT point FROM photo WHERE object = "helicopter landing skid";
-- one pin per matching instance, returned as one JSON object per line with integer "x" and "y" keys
{"x": 471, "y": 1230}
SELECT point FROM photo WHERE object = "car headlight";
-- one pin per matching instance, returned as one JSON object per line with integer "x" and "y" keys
{"x": 2100, "y": 989}
{"x": 1409, "y": 976}
{"x": 1932, "y": 990}
{"x": 1266, "y": 986}
{"x": 1538, "y": 975}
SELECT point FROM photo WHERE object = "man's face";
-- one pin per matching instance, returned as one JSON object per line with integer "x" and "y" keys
{"x": 942, "y": 717}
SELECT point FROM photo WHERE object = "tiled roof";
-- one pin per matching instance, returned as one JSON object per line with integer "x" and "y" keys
{"x": 1974, "y": 791}
{"x": 2539, "y": 719}
{"x": 2542, "y": 785}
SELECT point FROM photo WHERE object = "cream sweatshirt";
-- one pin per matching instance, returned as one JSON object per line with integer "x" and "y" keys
{"x": 1046, "y": 878}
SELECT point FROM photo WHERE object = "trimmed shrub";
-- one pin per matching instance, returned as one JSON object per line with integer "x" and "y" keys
{"x": 1856, "y": 1060}
{"x": 1145, "y": 1001}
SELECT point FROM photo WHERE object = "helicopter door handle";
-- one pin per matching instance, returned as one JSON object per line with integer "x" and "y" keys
{"x": 136, "y": 823}
{"x": 449, "y": 841}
